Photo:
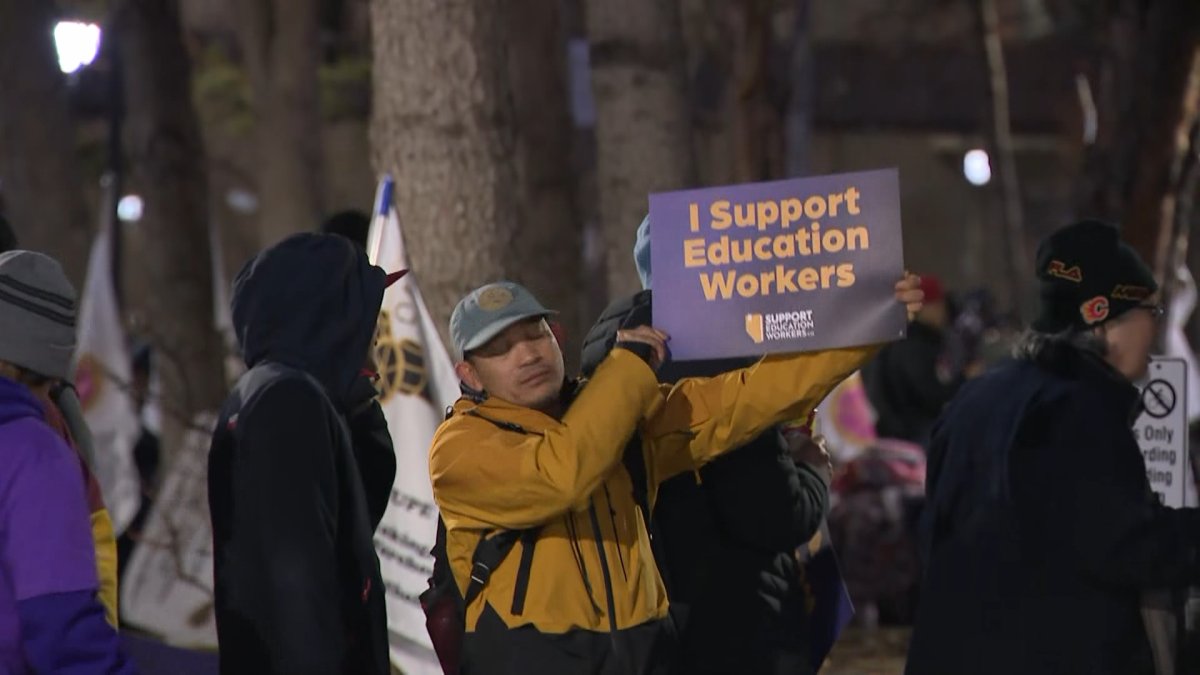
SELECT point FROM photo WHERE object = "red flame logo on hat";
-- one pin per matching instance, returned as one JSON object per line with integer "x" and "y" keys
{"x": 1094, "y": 310}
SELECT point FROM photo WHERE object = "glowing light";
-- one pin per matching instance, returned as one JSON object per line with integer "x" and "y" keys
{"x": 77, "y": 44}
{"x": 977, "y": 167}
{"x": 129, "y": 209}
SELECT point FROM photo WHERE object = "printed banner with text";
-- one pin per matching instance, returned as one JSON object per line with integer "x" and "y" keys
{"x": 417, "y": 383}
{"x": 785, "y": 266}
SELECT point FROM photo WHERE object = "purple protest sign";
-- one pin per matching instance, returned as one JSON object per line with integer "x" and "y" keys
{"x": 785, "y": 266}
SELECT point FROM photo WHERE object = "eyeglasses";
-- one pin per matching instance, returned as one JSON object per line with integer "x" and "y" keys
{"x": 1156, "y": 311}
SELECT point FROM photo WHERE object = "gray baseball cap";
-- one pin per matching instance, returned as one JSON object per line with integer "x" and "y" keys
{"x": 488, "y": 310}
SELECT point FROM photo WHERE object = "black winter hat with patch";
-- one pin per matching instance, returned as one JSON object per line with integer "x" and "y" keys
{"x": 1088, "y": 276}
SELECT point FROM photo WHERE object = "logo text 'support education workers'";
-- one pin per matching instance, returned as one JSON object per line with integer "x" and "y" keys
{"x": 780, "y": 326}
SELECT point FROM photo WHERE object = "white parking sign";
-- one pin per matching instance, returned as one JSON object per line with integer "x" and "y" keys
{"x": 1162, "y": 433}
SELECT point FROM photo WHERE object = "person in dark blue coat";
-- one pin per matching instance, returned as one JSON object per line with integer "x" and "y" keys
{"x": 1041, "y": 533}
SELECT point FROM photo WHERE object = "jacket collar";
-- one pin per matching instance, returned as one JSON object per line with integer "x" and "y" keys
{"x": 1077, "y": 364}
{"x": 505, "y": 413}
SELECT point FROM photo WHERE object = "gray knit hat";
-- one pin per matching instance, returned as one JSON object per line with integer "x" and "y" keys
{"x": 37, "y": 313}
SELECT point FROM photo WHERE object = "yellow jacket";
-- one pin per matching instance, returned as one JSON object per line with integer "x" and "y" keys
{"x": 498, "y": 466}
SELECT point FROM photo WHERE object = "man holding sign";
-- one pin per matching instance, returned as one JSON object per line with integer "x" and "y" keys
{"x": 1041, "y": 533}
{"x": 526, "y": 451}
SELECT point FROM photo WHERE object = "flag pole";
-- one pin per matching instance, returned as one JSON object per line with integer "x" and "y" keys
{"x": 383, "y": 204}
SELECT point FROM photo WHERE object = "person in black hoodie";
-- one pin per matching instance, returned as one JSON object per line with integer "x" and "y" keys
{"x": 726, "y": 535}
{"x": 1041, "y": 533}
{"x": 301, "y": 466}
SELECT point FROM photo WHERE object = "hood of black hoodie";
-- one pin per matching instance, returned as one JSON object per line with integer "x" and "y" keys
{"x": 310, "y": 302}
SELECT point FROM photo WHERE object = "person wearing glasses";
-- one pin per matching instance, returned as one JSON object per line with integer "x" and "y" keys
{"x": 1041, "y": 534}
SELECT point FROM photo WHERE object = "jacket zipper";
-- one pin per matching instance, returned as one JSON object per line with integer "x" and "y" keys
{"x": 608, "y": 584}
{"x": 577, "y": 551}
{"x": 612, "y": 518}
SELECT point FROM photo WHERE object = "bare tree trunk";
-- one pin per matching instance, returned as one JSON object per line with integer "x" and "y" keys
{"x": 758, "y": 132}
{"x": 451, "y": 114}
{"x": 1130, "y": 178}
{"x": 281, "y": 51}
{"x": 801, "y": 93}
{"x": 1185, "y": 182}
{"x": 39, "y": 168}
{"x": 167, "y": 156}
{"x": 643, "y": 126}
{"x": 1003, "y": 155}
{"x": 594, "y": 258}
{"x": 536, "y": 36}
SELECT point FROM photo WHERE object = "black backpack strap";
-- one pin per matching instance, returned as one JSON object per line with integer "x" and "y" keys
{"x": 489, "y": 553}
{"x": 528, "y": 541}
{"x": 492, "y": 550}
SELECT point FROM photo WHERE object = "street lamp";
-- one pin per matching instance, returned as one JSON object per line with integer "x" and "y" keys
{"x": 977, "y": 167}
{"x": 77, "y": 43}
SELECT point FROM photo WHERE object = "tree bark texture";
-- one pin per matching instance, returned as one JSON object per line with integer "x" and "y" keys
{"x": 469, "y": 132}
{"x": 801, "y": 105}
{"x": 40, "y": 180}
{"x": 167, "y": 155}
{"x": 759, "y": 150}
{"x": 1003, "y": 156}
{"x": 643, "y": 123}
{"x": 281, "y": 51}
{"x": 1133, "y": 171}
{"x": 536, "y": 35}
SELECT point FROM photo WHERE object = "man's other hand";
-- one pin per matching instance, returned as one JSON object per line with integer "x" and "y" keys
{"x": 908, "y": 291}
{"x": 647, "y": 342}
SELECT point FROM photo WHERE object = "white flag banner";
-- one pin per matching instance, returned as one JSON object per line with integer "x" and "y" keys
{"x": 417, "y": 383}
{"x": 103, "y": 371}
{"x": 168, "y": 588}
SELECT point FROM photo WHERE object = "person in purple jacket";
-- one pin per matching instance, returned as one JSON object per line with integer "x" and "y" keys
{"x": 51, "y": 619}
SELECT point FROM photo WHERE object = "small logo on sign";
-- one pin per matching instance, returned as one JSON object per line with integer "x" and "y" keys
{"x": 1134, "y": 293}
{"x": 1094, "y": 310}
{"x": 1059, "y": 269}
{"x": 780, "y": 326}
{"x": 754, "y": 327}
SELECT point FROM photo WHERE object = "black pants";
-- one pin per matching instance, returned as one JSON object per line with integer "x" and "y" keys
{"x": 495, "y": 649}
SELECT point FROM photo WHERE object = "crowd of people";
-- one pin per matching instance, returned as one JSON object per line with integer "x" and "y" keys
{"x": 641, "y": 517}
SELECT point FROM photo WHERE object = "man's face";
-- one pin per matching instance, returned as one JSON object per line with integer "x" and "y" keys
{"x": 1130, "y": 339}
{"x": 522, "y": 365}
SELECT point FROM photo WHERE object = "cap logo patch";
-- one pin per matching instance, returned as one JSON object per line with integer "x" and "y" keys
{"x": 1134, "y": 293}
{"x": 494, "y": 298}
{"x": 1094, "y": 310}
{"x": 1059, "y": 269}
